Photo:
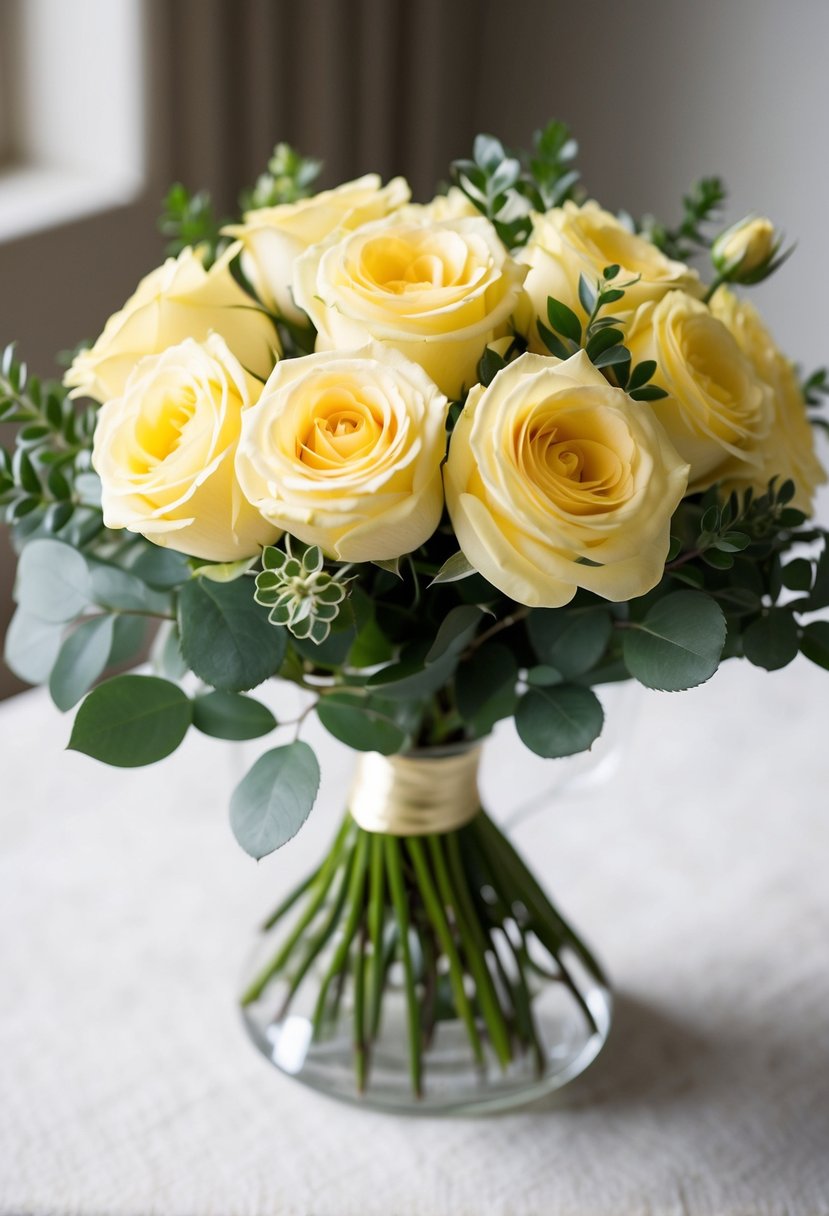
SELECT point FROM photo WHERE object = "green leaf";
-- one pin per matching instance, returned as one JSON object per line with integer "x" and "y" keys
{"x": 649, "y": 392}
{"x": 121, "y": 591}
{"x": 365, "y": 723}
{"x": 587, "y": 295}
{"x": 602, "y": 341}
{"x": 641, "y": 374}
{"x": 231, "y": 715}
{"x": 457, "y": 629}
{"x": 814, "y": 643}
{"x": 797, "y": 575}
{"x": 53, "y": 581}
{"x": 564, "y": 320}
{"x": 226, "y": 638}
{"x": 553, "y": 343}
{"x": 412, "y": 679}
{"x": 613, "y": 356}
{"x": 570, "y": 641}
{"x": 485, "y": 687}
{"x": 162, "y": 569}
{"x": 271, "y": 803}
{"x": 129, "y": 639}
{"x": 131, "y": 720}
{"x": 771, "y": 641}
{"x": 82, "y": 660}
{"x": 678, "y": 644}
{"x": 819, "y": 597}
{"x": 454, "y": 568}
{"x": 32, "y": 646}
{"x": 559, "y": 721}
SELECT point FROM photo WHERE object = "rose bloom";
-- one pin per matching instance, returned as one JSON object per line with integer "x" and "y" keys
{"x": 571, "y": 240}
{"x": 746, "y": 245}
{"x": 788, "y": 451}
{"x": 274, "y": 237}
{"x": 164, "y": 453}
{"x": 555, "y": 481}
{"x": 344, "y": 451}
{"x": 437, "y": 291}
{"x": 176, "y": 301}
{"x": 718, "y": 410}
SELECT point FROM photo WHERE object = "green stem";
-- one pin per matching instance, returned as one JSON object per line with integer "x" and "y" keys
{"x": 322, "y": 885}
{"x": 376, "y": 919}
{"x": 434, "y": 909}
{"x": 320, "y": 939}
{"x": 474, "y": 946}
{"x": 359, "y": 1012}
{"x": 355, "y": 912}
{"x": 394, "y": 869}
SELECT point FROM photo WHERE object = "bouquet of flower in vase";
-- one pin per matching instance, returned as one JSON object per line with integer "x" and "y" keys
{"x": 439, "y": 465}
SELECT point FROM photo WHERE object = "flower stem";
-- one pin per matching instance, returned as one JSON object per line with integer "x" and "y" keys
{"x": 394, "y": 869}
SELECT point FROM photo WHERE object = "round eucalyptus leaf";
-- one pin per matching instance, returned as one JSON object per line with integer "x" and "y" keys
{"x": 560, "y": 720}
{"x": 131, "y": 720}
{"x": 678, "y": 644}
{"x": 231, "y": 715}
{"x": 53, "y": 581}
{"x": 271, "y": 803}
{"x": 82, "y": 659}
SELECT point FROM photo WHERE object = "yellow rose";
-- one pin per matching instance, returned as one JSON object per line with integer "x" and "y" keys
{"x": 746, "y": 245}
{"x": 437, "y": 291}
{"x": 788, "y": 451}
{"x": 571, "y": 240}
{"x": 555, "y": 481}
{"x": 453, "y": 205}
{"x": 164, "y": 453}
{"x": 274, "y": 237}
{"x": 176, "y": 301}
{"x": 718, "y": 411}
{"x": 344, "y": 451}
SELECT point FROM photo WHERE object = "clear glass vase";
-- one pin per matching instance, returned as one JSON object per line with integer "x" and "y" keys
{"x": 424, "y": 972}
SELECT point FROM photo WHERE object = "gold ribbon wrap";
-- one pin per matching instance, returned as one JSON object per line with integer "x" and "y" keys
{"x": 416, "y": 795}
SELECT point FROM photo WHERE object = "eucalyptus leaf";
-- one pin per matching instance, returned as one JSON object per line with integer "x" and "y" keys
{"x": 678, "y": 644}
{"x": 226, "y": 637}
{"x": 814, "y": 643}
{"x": 485, "y": 687}
{"x": 231, "y": 715}
{"x": 457, "y": 629}
{"x": 560, "y": 720}
{"x": 53, "y": 581}
{"x": 32, "y": 646}
{"x": 131, "y": 721}
{"x": 271, "y": 803}
{"x": 82, "y": 660}
{"x": 366, "y": 724}
{"x": 772, "y": 641}
{"x": 121, "y": 591}
{"x": 571, "y": 641}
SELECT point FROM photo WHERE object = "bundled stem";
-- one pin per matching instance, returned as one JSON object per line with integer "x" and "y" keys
{"x": 460, "y": 914}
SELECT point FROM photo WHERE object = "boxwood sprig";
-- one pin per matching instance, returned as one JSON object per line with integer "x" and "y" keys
{"x": 601, "y": 337}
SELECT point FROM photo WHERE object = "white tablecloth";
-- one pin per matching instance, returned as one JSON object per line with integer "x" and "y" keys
{"x": 699, "y": 870}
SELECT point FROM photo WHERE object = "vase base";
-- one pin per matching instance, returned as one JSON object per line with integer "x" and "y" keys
{"x": 452, "y": 1082}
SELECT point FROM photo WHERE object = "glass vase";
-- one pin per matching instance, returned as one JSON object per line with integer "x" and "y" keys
{"x": 421, "y": 968}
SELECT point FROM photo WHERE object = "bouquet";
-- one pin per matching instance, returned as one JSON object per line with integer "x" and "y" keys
{"x": 438, "y": 465}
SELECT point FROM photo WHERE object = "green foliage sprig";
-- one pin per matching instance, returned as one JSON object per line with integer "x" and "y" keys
{"x": 48, "y": 478}
{"x": 600, "y": 336}
{"x": 289, "y": 176}
{"x": 702, "y": 206}
{"x": 190, "y": 220}
{"x": 506, "y": 187}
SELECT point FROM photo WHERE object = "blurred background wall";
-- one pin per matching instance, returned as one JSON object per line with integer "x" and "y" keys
{"x": 104, "y": 102}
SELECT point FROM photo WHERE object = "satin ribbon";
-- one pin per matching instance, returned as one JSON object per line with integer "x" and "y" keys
{"x": 416, "y": 795}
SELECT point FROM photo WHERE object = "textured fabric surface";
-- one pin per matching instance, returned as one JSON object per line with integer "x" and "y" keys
{"x": 697, "y": 868}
